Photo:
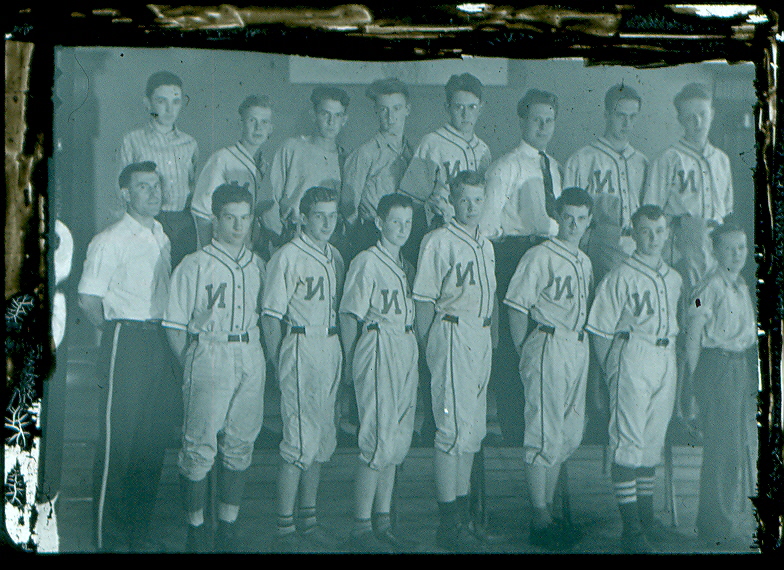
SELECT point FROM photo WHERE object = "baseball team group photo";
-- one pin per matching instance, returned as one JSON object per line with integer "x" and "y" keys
{"x": 473, "y": 305}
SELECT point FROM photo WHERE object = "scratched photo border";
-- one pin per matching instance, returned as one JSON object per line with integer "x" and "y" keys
{"x": 631, "y": 36}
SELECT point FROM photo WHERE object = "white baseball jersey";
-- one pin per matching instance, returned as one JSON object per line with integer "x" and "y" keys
{"x": 686, "y": 180}
{"x": 228, "y": 165}
{"x": 552, "y": 285}
{"x": 438, "y": 158}
{"x": 616, "y": 181}
{"x": 515, "y": 203}
{"x": 637, "y": 298}
{"x": 297, "y": 166}
{"x": 371, "y": 171}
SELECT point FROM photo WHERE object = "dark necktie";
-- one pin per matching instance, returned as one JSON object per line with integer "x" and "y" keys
{"x": 549, "y": 194}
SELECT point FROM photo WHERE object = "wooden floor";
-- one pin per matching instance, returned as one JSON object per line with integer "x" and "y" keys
{"x": 592, "y": 502}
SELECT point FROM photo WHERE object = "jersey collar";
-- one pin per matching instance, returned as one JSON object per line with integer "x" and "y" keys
{"x": 562, "y": 245}
{"x": 453, "y": 132}
{"x": 386, "y": 253}
{"x": 706, "y": 152}
{"x": 627, "y": 152}
{"x": 455, "y": 226}
{"x": 240, "y": 256}
{"x": 312, "y": 245}
{"x": 662, "y": 271}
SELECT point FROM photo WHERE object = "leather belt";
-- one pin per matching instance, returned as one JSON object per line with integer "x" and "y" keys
{"x": 389, "y": 326}
{"x": 658, "y": 341}
{"x": 579, "y": 335}
{"x": 484, "y": 322}
{"x": 313, "y": 330}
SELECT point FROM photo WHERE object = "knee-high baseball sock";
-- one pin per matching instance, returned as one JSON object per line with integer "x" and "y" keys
{"x": 194, "y": 496}
{"x": 231, "y": 485}
{"x": 645, "y": 480}
{"x": 448, "y": 514}
{"x": 625, "y": 487}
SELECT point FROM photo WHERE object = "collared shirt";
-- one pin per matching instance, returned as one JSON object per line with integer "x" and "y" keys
{"x": 212, "y": 291}
{"x": 377, "y": 288}
{"x": 634, "y": 297}
{"x": 456, "y": 271}
{"x": 128, "y": 266}
{"x": 552, "y": 285}
{"x": 227, "y": 165}
{"x": 687, "y": 180}
{"x": 297, "y": 166}
{"x": 615, "y": 180}
{"x": 175, "y": 154}
{"x": 304, "y": 283}
{"x": 371, "y": 171}
{"x": 515, "y": 202}
{"x": 731, "y": 322}
{"x": 438, "y": 158}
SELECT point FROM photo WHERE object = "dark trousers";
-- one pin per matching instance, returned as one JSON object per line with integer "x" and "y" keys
{"x": 181, "y": 229}
{"x": 505, "y": 375}
{"x": 138, "y": 408}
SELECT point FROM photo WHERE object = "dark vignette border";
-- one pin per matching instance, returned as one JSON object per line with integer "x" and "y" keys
{"x": 603, "y": 35}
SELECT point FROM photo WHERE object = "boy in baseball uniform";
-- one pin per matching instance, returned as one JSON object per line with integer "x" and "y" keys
{"x": 377, "y": 330}
{"x": 174, "y": 152}
{"x": 375, "y": 168}
{"x": 634, "y": 324}
{"x": 693, "y": 178}
{"x": 299, "y": 319}
{"x": 548, "y": 296}
{"x": 443, "y": 153}
{"x": 212, "y": 322}
{"x": 304, "y": 162}
{"x": 241, "y": 163}
{"x": 454, "y": 294}
{"x": 614, "y": 174}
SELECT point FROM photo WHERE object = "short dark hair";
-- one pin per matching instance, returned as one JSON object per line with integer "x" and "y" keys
{"x": 649, "y": 211}
{"x": 253, "y": 101}
{"x": 127, "y": 172}
{"x": 465, "y": 82}
{"x": 536, "y": 97}
{"x": 617, "y": 93}
{"x": 324, "y": 93}
{"x": 161, "y": 78}
{"x": 314, "y": 195}
{"x": 465, "y": 178}
{"x": 692, "y": 91}
{"x": 386, "y": 87}
{"x": 574, "y": 196}
{"x": 231, "y": 193}
{"x": 389, "y": 201}
{"x": 724, "y": 229}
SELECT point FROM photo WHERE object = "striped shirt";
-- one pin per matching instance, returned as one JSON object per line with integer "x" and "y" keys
{"x": 175, "y": 154}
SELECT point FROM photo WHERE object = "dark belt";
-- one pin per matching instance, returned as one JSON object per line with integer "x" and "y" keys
{"x": 332, "y": 331}
{"x": 659, "y": 341}
{"x": 551, "y": 330}
{"x": 455, "y": 319}
{"x": 149, "y": 325}
{"x": 243, "y": 337}
{"x": 375, "y": 327}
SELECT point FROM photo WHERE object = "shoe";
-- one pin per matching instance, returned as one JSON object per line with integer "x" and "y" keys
{"x": 367, "y": 543}
{"x": 226, "y": 537}
{"x": 481, "y": 533}
{"x": 318, "y": 538}
{"x": 398, "y": 543}
{"x": 199, "y": 539}
{"x": 285, "y": 543}
{"x": 658, "y": 532}
{"x": 570, "y": 533}
{"x": 635, "y": 543}
{"x": 548, "y": 537}
{"x": 458, "y": 539}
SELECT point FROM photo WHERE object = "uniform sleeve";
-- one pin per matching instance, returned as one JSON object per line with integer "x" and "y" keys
{"x": 278, "y": 288}
{"x": 607, "y": 306}
{"x": 358, "y": 290}
{"x": 263, "y": 280}
{"x": 211, "y": 176}
{"x": 356, "y": 172}
{"x": 431, "y": 270}
{"x": 272, "y": 191}
{"x": 529, "y": 280}
{"x": 99, "y": 267}
{"x": 182, "y": 295}
{"x": 659, "y": 181}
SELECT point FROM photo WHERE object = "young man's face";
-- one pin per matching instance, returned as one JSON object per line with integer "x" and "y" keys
{"x": 144, "y": 194}
{"x": 320, "y": 222}
{"x": 651, "y": 235}
{"x": 397, "y": 226}
{"x": 620, "y": 121}
{"x": 464, "y": 109}
{"x": 731, "y": 251}
{"x": 330, "y": 118}
{"x": 572, "y": 223}
{"x": 392, "y": 110}
{"x": 256, "y": 125}
{"x": 468, "y": 203}
{"x": 165, "y": 104}
{"x": 233, "y": 223}
{"x": 696, "y": 116}
{"x": 538, "y": 125}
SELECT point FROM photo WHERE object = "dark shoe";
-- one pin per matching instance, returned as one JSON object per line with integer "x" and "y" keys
{"x": 448, "y": 538}
{"x": 635, "y": 543}
{"x": 199, "y": 539}
{"x": 319, "y": 539}
{"x": 570, "y": 533}
{"x": 658, "y": 532}
{"x": 285, "y": 543}
{"x": 367, "y": 543}
{"x": 226, "y": 537}
{"x": 398, "y": 543}
{"x": 482, "y": 534}
{"x": 548, "y": 537}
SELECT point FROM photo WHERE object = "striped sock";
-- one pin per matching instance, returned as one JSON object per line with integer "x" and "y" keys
{"x": 625, "y": 488}
{"x": 285, "y": 525}
{"x": 645, "y": 481}
{"x": 307, "y": 518}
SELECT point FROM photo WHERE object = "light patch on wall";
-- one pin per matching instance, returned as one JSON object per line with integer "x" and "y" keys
{"x": 489, "y": 70}
{"x": 716, "y": 10}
